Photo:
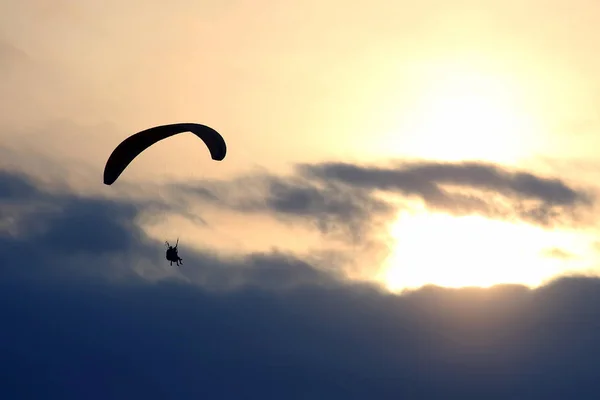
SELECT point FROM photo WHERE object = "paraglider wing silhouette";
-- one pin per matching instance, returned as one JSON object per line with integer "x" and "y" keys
{"x": 131, "y": 147}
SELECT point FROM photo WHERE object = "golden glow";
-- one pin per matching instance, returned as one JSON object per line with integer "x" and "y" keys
{"x": 452, "y": 251}
{"x": 466, "y": 114}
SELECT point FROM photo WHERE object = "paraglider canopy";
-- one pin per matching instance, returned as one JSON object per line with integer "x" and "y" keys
{"x": 131, "y": 147}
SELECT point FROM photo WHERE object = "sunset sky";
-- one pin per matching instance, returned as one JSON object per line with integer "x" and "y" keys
{"x": 394, "y": 143}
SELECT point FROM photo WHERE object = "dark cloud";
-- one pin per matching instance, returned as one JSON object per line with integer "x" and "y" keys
{"x": 331, "y": 207}
{"x": 44, "y": 233}
{"x": 282, "y": 328}
{"x": 343, "y": 212}
{"x": 15, "y": 186}
{"x": 424, "y": 178}
{"x": 107, "y": 228}
{"x": 538, "y": 199}
{"x": 411, "y": 177}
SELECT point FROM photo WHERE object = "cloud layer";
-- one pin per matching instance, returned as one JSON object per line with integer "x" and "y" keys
{"x": 86, "y": 313}
{"x": 345, "y": 201}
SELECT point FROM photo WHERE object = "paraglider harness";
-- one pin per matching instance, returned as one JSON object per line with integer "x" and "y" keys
{"x": 172, "y": 255}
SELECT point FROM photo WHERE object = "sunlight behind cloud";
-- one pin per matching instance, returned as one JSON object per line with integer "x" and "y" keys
{"x": 463, "y": 251}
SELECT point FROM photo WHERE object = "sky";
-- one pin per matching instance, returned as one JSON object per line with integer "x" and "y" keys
{"x": 408, "y": 206}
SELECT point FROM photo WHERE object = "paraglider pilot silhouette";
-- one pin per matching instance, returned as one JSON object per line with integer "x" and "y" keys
{"x": 135, "y": 144}
{"x": 172, "y": 255}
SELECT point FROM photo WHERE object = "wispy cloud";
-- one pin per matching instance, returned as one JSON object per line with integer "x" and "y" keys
{"x": 344, "y": 201}
{"x": 533, "y": 198}
{"x": 339, "y": 211}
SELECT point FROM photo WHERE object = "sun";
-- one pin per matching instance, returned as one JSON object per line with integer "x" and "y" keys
{"x": 462, "y": 113}
{"x": 440, "y": 249}
{"x": 470, "y": 116}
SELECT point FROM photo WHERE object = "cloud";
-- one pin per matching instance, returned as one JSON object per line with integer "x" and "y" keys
{"x": 344, "y": 201}
{"x": 82, "y": 316}
{"x": 532, "y": 198}
{"x": 15, "y": 186}
{"x": 348, "y": 214}
{"x": 421, "y": 178}
{"x": 57, "y": 231}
